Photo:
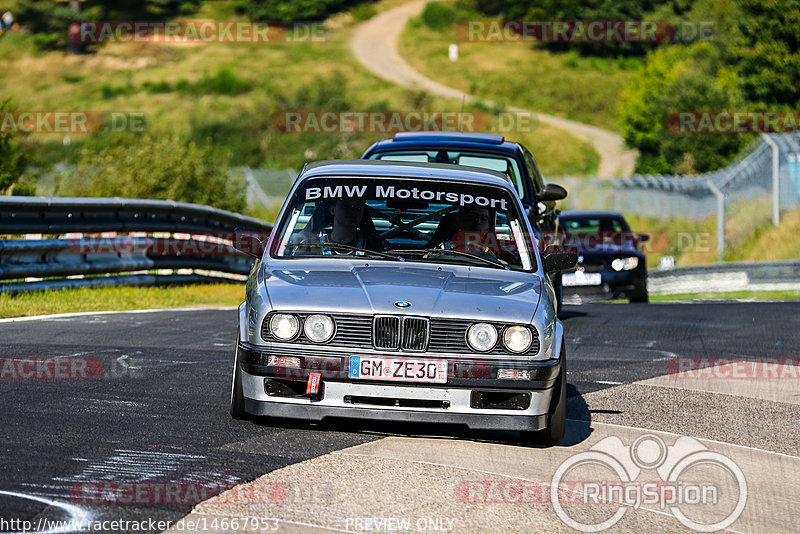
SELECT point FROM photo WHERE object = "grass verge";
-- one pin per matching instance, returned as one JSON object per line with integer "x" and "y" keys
{"x": 120, "y": 298}
{"x": 585, "y": 89}
{"x": 730, "y": 295}
{"x": 229, "y": 95}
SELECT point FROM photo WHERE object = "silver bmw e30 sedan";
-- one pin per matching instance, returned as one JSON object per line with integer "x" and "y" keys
{"x": 403, "y": 291}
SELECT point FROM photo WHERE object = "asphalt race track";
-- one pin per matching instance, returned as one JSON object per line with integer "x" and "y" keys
{"x": 147, "y": 403}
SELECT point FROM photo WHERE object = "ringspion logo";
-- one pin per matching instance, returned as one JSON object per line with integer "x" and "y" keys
{"x": 704, "y": 490}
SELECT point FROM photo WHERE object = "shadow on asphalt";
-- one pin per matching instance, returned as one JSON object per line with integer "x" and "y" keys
{"x": 576, "y": 410}
{"x": 579, "y": 418}
{"x": 570, "y": 314}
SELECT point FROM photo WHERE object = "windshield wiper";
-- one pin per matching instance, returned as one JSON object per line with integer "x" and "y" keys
{"x": 433, "y": 251}
{"x": 341, "y": 246}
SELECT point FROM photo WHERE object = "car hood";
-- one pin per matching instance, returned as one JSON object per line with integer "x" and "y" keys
{"x": 432, "y": 290}
{"x": 596, "y": 244}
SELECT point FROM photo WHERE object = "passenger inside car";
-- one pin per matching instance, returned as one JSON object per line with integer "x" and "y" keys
{"x": 343, "y": 221}
{"x": 454, "y": 225}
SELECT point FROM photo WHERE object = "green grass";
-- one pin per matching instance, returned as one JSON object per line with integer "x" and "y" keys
{"x": 731, "y": 295}
{"x": 585, "y": 89}
{"x": 229, "y": 95}
{"x": 120, "y": 298}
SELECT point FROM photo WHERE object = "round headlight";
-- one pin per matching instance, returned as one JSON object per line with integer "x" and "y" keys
{"x": 482, "y": 337}
{"x": 284, "y": 327}
{"x": 517, "y": 338}
{"x": 318, "y": 328}
{"x": 625, "y": 264}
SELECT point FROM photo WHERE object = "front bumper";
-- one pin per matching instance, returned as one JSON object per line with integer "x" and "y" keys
{"x": 614, "y": 283}
{"x": 472, "y": 395}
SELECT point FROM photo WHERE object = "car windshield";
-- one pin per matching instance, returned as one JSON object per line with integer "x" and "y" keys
{"x": 588, "y": 224}
{"x": 405, "y": 220}
{"x": 494, "y": 162}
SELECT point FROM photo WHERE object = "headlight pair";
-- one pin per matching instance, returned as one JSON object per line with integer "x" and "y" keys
{"x": 483, "y": 337}
{"x": 286, "y": 327}
{"x": 625, "y": 264}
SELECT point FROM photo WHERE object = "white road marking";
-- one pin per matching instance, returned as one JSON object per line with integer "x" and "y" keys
{"x": 679, "y": 435}
{"x": 83, "y": 314}
{"x": 609, "y": 382}
{"x": 77, "y": 515}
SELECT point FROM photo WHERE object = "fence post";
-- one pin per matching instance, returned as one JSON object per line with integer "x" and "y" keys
{"x": 598, "y": 191}
{"x": 776, "y": 197}
{"x": 720, "y": 219}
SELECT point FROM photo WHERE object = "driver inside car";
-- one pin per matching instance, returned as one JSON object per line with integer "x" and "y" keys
{"x": 345, "y": 222}
{"x": 469, "y": 223}
{"x": 472, "y": 229}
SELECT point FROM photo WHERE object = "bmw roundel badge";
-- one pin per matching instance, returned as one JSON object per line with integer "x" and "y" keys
{"x": 402, "y": 304}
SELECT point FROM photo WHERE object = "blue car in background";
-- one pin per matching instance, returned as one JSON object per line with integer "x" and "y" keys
{"x": 610, "y": 262}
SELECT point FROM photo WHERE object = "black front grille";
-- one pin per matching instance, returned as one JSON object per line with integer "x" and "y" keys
{"x": 415, "y": 333}
{"x": 393, "y": 332}
{"x": 386, "y": 332}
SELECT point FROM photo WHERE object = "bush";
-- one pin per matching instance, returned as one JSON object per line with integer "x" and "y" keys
{"x": 13, "y": 159}
{"x": 157, "y": 87}
{"x": 292, "y": 10}
{"x": 674, "y": 79}
{"x": 224, "y": 82}
{"x": 438, "y": 15}
{"x": 167, "y": 168}
{"x": 363, "y": 12}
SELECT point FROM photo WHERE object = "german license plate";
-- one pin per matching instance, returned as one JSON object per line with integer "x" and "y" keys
{"x": 581, "y": 278}
{"x": 402, "y": 369}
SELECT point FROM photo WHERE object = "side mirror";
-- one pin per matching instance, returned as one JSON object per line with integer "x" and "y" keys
{"x": 558, "y": 259}
{"x": 552, "y": 192}
{"x": 250, "y": 242}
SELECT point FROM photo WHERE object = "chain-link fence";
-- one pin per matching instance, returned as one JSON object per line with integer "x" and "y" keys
{"x": 749, "y": 192}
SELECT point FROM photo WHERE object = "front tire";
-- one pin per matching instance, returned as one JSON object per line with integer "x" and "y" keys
{"x": 640, "y": 293}
{"x": 558, "y": 287}
{"x": 553, "y": 434}
{"x": 237, "y": 395}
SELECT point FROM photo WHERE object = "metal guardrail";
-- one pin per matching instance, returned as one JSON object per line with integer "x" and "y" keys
{"x": 185, "y": 237}
{"x": 43, "y": 215}
{"x": 725, "y": 277}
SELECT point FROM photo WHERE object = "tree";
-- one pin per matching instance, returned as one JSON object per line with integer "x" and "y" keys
{"x": 770, "y": 52}
{"x": 676, "y": 79}
{"x": 13, "y": 160}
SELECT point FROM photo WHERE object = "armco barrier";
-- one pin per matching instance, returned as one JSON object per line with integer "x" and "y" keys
{"x": 721, "y": 277}
{"x": 185, "y": 236}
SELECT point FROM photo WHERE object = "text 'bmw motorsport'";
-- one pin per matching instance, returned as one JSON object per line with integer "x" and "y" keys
{"x": 390, "y": 191}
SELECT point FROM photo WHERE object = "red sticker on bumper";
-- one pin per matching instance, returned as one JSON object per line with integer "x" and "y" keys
{"x": 312, "y": 387}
